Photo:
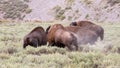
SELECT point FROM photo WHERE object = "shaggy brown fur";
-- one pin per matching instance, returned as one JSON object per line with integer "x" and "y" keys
{"x": 58, "y": 35}
{"x": 35, "y": 38}
{"x": 84, "y": 35}
{"x": 50, "y": 39}
{"x": 87, "y": 24}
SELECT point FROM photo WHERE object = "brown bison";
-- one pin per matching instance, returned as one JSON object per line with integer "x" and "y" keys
{"x": 84, "y": 36}
{"x": 57, "y": 35}
{"x": 51, "y": 40}
{"x": 87, "y": 24}
{"x": 35, "y": 38}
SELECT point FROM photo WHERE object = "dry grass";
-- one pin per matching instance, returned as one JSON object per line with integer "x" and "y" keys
{"x": 104, "y": 54}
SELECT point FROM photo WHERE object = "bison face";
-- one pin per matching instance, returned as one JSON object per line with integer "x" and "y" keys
{"x": 30, "y": 41}
{"x": 73, "y": 24}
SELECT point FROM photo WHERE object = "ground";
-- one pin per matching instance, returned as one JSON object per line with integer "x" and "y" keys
{"x": 104, "y": 54}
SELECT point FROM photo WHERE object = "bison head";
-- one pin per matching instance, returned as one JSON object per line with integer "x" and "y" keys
{"x": 30, "y": 41}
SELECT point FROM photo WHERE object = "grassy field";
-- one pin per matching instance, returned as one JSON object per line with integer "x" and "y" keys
{"x": 104, "y": 54}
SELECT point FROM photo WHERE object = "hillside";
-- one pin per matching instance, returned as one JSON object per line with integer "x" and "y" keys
{"x": 40, "y": 9}
{"x": 94, "y": 10}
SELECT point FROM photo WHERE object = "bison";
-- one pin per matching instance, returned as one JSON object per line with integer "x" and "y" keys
{"x": 87, "y": 24}
{"x": 84, "y": 36}
{"x": 35, "y": 38}
{"x": 52, "y": 43}
{"x": 57, "y": 35}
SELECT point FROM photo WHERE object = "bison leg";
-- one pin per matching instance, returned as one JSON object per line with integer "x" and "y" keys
{"x": 60, "y": 45}
{"x": 92, "y": 41}
{"x": 102, "y": 34}
{"x": 51, "y": 44}
{"x": 76, "y": 47}
{"x": 70, "y": 47}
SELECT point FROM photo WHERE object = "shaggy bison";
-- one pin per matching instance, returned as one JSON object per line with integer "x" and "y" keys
{"x": 35, "y": 38}
{"x": 52, "y": 43}
{"x": 58, "y": 36}
{"x": 87, "y": 24}
{"x": 84, "y": 36}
